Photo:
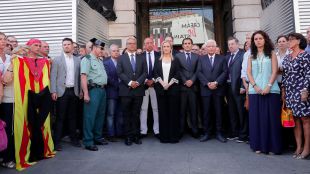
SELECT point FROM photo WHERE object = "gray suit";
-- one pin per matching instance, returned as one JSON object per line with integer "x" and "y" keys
{"x": 58, "y": 75}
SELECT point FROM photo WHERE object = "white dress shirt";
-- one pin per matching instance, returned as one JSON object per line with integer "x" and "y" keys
{"x": 152, "y": 58}
{"x": 70, "y": 70}
{"x": 245, "y": 64}
{"x": 166, "y": 70}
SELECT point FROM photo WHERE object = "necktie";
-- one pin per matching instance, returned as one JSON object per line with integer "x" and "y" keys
{"x": 133, "y": 63}
{"x": 150, "y": 65}
{"x": 231, "y": 60}
{"x": 188, "y": 60}
{"x": 211, "y": 61}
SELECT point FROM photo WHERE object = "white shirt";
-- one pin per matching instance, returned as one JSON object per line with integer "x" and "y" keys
{"x": 235, "y": 53}
{"x": 245, "y": 64}
{"x": 114, "y": 61}
{"x": 166, "y": 70}
{"x": 147, "y": 59}
{"x": 70, "y": 70}
{"x": 134, "y": 57}
{"x": 280, "y": 62}
{"x": 8, "y": 90}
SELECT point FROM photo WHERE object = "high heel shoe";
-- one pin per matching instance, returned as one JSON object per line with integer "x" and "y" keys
{"x": 303, "y": 157}
{"x": 295, "y": 155}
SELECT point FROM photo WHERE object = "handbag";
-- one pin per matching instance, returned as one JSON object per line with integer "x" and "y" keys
{"x": 287, "y": 118}
{"x": 3, "y": 136}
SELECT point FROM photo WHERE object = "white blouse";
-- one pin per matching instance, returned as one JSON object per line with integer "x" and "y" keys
{"x": 166, "y": 70}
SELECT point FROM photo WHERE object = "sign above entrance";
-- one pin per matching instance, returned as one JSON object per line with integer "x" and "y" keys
{"x": 189, "y": 27}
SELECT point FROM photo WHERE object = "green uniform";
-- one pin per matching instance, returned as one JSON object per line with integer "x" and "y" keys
{"x": 94, "y": 110}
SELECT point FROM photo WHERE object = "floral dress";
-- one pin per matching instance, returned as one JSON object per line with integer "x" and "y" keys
{"x": 296, "y": 76}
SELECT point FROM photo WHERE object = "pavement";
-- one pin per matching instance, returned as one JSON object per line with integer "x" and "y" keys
{"x": 187, "y": 157}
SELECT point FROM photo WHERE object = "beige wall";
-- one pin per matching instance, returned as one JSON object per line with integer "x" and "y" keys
{"x": 246, "y": 17}
{"x": 125, "y": 24}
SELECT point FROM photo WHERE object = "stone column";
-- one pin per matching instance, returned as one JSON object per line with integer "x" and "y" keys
{"x": 125, "y": 24}
{"x": 245, "y": 17}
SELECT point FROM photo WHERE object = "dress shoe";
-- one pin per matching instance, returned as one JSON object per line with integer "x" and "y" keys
{"x": 101, "y": 142}
{"x": 221, "y": 138}
{"x": 143, "y": 136}
{"x": 137, "y": 140}
{"x": 157, "y": 136}
{"x": 242, "y": 140}
{"x": 76, "y": 143}
{"x": 91, "y": 148}
{"x": 204, "y": 138}
{"x": 58, "y": 147}
{"x": 128, "y": 141}
{"x": 112, "y": 139}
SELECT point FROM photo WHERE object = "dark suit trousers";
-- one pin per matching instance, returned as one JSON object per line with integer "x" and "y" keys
{"x": 66, "y": 109}
{"x": 237, "y": 118}
{"x": 131, "y": 107}
{"x": 188, "y": 103}
{"x": 217, "y": 105}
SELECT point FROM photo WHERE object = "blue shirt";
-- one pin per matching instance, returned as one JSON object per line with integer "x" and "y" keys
{"x": 308, "y": 49}
{"x": 261, "y": 72}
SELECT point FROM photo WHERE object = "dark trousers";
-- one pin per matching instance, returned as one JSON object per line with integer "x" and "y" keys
{"x": 217, "y": 105}
{"x": 7, "y": 116}
{"x": 114, "y": 117}
{"x": 168, "y": 112}
{"x": 131, "y": 107}
{"x": 188, "y": 103}
{"x": 238, "y": 121}
{"x": 66, "y": 109}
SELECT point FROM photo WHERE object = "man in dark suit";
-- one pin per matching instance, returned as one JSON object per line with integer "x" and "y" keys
{"x": 212, "y": 75}
{"x": 151, "y": 57}
{"x": 114, "y": 117}
{"x": 132, "y": 70}
{"x": 65, "y": 89}
{"x": 188, "y": 73}
{"x": 235, "y": 101}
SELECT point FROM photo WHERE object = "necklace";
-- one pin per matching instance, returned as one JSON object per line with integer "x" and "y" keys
{"x": 260, "y": 60}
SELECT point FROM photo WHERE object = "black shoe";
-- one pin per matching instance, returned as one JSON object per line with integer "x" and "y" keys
{"x": 221, "y": 138}
{"x": 204, "y": 138}
{"x": 101, "y": 142}
{"x": 58, "y": 147}
{"x": 137, "y": 140}
{"x": 143, "y": 136}
{"x": 157, "y": 136}
{"x": 112, "y": 139}
{"x": 242, "y": 140}
{"x": 91, "y": 148}
{"x": 232, "y": 138}
{"x": 128, "y": 142}
{"x": 195, "y": 135}
{"x": 76, "y": 143}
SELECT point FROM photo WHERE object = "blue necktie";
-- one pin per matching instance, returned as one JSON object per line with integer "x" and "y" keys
{"x": 188, "y": 59}
{"x": 150, "y": 66}
{"x": 133, "y": 62}
{"x": 211, "y": 61}
{"x": 231, "y": 60}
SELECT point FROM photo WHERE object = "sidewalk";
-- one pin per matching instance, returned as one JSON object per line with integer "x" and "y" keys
{"x": 187, "y": 157}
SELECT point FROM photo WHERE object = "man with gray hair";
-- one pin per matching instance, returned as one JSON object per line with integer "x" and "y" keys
{"x": 114, "y": 120}
{"x": 132, "y": 71}
{"x": 212, "y": 74}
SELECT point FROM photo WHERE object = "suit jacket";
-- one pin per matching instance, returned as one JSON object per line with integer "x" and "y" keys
{"x": 113, "y": 80}
{"x": 156, "y": 58}
{"x": 59, "y": 72}
{"x": 234, "y": 70}
{"x": 174, "y": 73}
{"x": 208, "y": 73}
{"x": 186, "y": 72}
{"x": 127, "y": 74}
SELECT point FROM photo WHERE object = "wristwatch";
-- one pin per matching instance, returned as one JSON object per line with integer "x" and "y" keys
{"x": 269, "y": 84}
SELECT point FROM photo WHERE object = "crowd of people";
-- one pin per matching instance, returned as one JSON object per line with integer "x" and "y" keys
{"x": 100, "y": 96}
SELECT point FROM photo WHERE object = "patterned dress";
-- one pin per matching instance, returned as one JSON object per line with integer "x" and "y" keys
{"x": 296, "y": 76}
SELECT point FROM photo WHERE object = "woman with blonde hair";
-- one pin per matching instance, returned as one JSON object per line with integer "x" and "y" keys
{"x": 166, "y": 74}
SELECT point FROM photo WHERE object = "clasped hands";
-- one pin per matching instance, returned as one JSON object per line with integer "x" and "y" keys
{"x": 212, "y": 85}
{"x": 134, "y": 84}
{"x": 262, "y": 92}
